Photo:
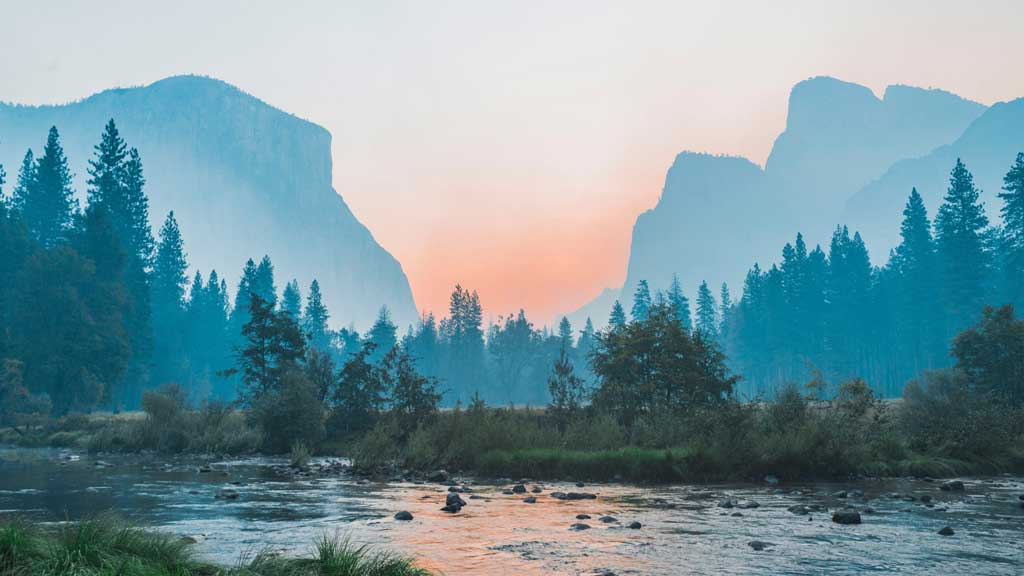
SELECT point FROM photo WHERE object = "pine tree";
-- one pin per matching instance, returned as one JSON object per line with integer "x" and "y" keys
{"x": 168, "y": 303}
{"x": 1013, "y": 233}
{"x": 246, "y": 286}
{"x": 913, "y": 261}
{"x": 263, "y": 285}
{"x": 679, "y": 303}
{"x": 565, "y": 334}
{"x": 291, "y": 300}
{"x": 315, "y": 317}
{"x": 641, "y": 301}
{"x": 106, "y": 173}
{"x": 959, "y": 228}
{"x": 47, "y": 203}
{"x": 707, "y": 315}
{"x": 26, "y": 182}
{"x": 726, "y": 312}
{"x": 382, "y": 335}
{"x": 617, "y": 319}
{"x": 137, "y": 228}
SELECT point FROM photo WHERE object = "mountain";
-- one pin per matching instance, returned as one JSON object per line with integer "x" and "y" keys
{"x": 718, "y": 215}
{"x": 988, "y": 147}
{"x": 243, "y": 178}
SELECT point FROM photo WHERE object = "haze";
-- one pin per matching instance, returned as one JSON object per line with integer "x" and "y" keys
{"x": 511, "y": 147}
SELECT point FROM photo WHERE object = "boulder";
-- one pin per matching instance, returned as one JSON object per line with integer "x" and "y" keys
{"x": 438, "y": 476}
{"x": 579, "y": 526}
{"x": 634, "y": 525}
{"x": 846, "y": 517}
{"x": 583, "y": 516}
{"x": 536, "y": 490}
{"x": 747, "y": 504}
{"x": 946, "y": 531}
{"x": 926, "y": 498}
{"x": 727, "y": 504}
{"x": 840, "y": 494}
{"x": 579, "y": 484}
{"x": 403, "y": 515}
{"x": 530, "y": 500}
{"x": 953, "y": 486}
{"x": 453, "y": 499}
{"x": 759, "y": 545}
{"x": 519, "y": 489}
{"x": 608, "y": 519}
{"x": 772, "y": 480}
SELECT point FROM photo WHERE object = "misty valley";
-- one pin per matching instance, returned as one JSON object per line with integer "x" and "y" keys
{"x": 250, "y": 389}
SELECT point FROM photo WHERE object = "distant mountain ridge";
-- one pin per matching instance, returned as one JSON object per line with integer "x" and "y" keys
{"x": 243, "y": 178}
{"x": 718, "y": 215}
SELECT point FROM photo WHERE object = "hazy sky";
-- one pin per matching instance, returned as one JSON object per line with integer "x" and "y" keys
{"x": 509, "y": 146}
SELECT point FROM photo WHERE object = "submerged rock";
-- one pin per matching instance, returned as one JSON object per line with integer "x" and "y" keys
{"x": 530, "y": 500}
{"x": 227, "y": 494}
{"x": 573, "y": 496}
{"x": 403, "y": 515}
{"x": 946, "y": 531}
{"x": 583, "y": 516}
{"x": 727, "y": 504}
{"x": 634, "y": 525}
{"x": 840, "y": 494}
{"x": 846, "y": 517}
{"x": 747, "y": 504}
{"x": 953, "y": 486}
{"x": 608, "y": 519}
{"x": 579, "y": 526}
{"x": 758, "y": 545}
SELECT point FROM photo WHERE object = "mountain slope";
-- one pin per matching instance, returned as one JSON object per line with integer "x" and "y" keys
{"x": 988, "y": 147}
{"x": 243, "y": 178}
{"x": 719, "y": 215}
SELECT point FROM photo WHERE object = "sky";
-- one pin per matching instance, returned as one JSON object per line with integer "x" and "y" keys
{"x": 509, "y": 146}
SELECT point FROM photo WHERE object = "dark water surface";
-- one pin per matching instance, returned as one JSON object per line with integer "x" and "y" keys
{"x": 685, "y": 531}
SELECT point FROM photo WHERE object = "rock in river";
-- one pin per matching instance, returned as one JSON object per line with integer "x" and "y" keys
{"x": 530, "y": 500}
{"x": 634, "y": 525}
{"x": 953, "y": 486}
{"x": 947, "y": 531}
{"x": 759, "y": 545}
{"x": 519, "y": 489}
{"x": 403, "y": 515}
{"x": 227, "y": 494}
{"x": 438, "y": 476}
{"x": 846, "y": 517}
{"x": 453, "y": 503}
{"x": 579, "y": 526}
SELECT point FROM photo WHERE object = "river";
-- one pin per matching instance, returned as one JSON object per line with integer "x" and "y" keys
{"x": 684, "y": 530}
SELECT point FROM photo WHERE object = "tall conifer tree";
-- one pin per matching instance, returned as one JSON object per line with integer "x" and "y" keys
{"x": 1013, "y": 233}
{"x": 959, "y": 228}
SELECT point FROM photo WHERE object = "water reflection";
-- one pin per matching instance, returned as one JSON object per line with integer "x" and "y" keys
{"x": 684, "y": 530}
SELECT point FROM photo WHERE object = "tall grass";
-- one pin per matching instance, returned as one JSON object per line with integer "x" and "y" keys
{"x": 105, "y": 546}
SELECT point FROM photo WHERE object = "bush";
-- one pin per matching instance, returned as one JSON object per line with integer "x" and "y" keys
{"x": 292, "y": 413}
{"x": 942, "y": 414}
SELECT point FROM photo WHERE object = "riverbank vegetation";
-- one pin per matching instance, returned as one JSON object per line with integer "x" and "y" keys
{"x": 796, "y": 379}
{"x": 105, "y": 545}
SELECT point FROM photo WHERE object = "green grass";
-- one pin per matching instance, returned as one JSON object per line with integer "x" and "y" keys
{"x": 105, "y": 546}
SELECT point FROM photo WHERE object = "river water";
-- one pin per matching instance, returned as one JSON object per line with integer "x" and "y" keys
{"x": 684, "y": 530}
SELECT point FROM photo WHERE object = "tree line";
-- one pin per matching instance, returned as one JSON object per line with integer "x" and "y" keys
{"x": 834, "y": 312}
{"x": 95, "y": 310}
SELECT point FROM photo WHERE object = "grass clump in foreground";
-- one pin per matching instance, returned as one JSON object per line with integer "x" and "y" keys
{"x": 106, "y": 546}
